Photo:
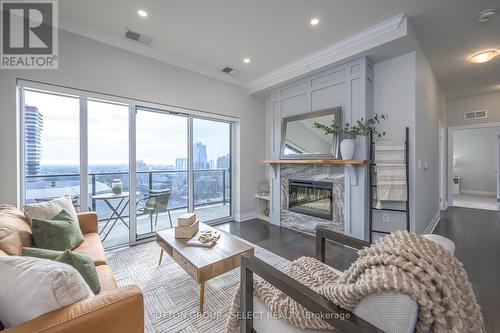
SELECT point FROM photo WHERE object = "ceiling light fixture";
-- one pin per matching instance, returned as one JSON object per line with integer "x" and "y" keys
{"x": 484, "y": 56}
{"x": 142, "y": 13}
{"x": 246, "y": 60}
{"x": 314, "y": 21}
{"x": 486, "y": 15}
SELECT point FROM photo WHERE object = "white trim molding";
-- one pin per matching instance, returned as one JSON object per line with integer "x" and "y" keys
{"x": 146, "y": 51}
{"x": 430, "y": 228}
{"x": 241, "y": 217}
{"x": 478, "y": 192}
{"x": 351, "y": 46}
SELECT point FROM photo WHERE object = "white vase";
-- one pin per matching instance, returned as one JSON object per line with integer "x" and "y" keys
{"x": 347, "y": 149}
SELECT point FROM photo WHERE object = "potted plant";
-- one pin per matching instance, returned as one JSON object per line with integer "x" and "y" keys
{"x": 350, "y": 132}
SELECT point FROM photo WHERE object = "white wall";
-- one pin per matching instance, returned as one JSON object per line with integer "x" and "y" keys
{"x": 455, "y": 109}
{"x": 476, "y": 153}
{"x": 395, "y": 96}
{"x": 89, "y": 65}
{"x": 407, "y": 90}
{"x": 429, "y": 109}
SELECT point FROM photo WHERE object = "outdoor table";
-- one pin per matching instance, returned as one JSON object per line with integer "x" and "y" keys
{"x": 117, "y": 210}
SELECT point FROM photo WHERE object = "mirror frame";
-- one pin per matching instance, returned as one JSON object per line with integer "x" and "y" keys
{"x": 336, "y": 112}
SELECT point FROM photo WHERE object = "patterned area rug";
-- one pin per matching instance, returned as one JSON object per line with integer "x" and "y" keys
{"x": 171, "y": 295}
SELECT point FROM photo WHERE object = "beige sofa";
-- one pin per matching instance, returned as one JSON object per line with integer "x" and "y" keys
{"x": 114, "y": 310}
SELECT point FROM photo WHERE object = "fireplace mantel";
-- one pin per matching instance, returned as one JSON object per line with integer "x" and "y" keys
{"x": 349, "y": 164}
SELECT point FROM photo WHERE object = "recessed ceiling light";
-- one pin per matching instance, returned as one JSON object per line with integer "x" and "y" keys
{"x": 246, "y": 60}
{"x": 142, "y": 13}
{"x": 484, "y": 56}
{"x": 314, "y": 21}
{"x": 486, "y": 15}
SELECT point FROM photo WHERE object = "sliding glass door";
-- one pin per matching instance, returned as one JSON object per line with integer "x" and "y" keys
{"x": 161, "y": 168}
{"x": 108, "y": 167}
{"x": 138, "y": 168}
{"x": 211, "y": 169}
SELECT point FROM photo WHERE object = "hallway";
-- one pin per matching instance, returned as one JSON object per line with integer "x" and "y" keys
{"x": 476, "y": 234}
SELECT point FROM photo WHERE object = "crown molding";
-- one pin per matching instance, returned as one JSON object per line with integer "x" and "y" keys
{"x": 350, "y": 46}
{"x": 146, "y": 51}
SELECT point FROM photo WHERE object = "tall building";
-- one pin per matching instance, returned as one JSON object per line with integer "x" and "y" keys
{"x": 200, "y": 156}
{"x": 223, "y": 162}
{"x": 33, "y": 140}
{"x": 181, "y": 163}
{"x": 211, "y": 164}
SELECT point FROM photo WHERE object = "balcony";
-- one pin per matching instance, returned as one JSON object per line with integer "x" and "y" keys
{"x": 212, "y": 198}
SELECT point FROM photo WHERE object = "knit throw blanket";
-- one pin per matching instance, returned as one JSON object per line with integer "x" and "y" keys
{"x": 400, "y": 262}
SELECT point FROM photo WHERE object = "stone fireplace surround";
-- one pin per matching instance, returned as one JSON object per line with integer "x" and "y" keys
{"x": 312, "y": 172}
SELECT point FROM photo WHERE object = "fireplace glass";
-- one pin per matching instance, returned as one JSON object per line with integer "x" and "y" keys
{"x": 311, "y": 198}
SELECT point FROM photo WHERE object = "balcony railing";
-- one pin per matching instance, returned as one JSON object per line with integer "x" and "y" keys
{"x": 211, "y": 186}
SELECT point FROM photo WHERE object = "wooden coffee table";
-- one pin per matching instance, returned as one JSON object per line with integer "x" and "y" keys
{"x": 203, "y": 263}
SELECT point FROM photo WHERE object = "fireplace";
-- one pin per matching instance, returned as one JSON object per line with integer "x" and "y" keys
{"x": 313, "y": 198}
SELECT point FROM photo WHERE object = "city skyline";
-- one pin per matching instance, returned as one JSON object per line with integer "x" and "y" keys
{"x": 160, "y": 136}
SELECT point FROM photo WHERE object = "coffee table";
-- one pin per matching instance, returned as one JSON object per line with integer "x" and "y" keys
{"x": 202, "y": 263}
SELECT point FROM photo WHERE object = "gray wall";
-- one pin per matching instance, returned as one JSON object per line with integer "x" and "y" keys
{"x": 90, "y": 65}
{"x": 349, "y": 86}
{"x": 455, "y": 109}
{"x": 476, "y": 152}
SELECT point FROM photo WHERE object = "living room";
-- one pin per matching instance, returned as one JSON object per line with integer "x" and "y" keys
{"x": 159, "y": 156}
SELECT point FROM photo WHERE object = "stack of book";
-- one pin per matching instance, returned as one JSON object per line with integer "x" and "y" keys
{"x": 187, "y": 226}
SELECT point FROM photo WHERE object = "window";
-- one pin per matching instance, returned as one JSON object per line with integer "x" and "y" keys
{"x": 51, "y": 146}
{"x": 181, "y": 162}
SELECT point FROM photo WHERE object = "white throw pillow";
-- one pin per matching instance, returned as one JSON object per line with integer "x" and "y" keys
{"x": 48, "y": 209}
{"x": 31, "y": 287}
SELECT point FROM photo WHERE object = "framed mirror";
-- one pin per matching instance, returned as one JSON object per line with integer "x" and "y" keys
{"x": 301, "y": 140}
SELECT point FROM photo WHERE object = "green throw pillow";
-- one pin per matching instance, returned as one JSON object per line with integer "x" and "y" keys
{"x": 40, "y": 253}
{"x": 80, "y": 261}
{"x": 84, "y": 265}
{"x": 59, "y": 233}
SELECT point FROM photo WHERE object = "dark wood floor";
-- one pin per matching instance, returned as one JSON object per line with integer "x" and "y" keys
{"x": 476, "y": 234}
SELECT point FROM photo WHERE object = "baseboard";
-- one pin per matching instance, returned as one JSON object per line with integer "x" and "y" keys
{"x": 430, "y": 228}
{"x": 240, "y": 217}
{"x": 477, "y": 192}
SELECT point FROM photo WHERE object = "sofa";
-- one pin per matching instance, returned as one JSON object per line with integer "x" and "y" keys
{"x": 114, "y": 310}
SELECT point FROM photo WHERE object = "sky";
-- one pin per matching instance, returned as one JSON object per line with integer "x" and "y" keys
{"x": 161, "y": 138}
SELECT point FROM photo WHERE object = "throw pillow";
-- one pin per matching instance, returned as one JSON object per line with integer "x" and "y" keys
{"x": 31, "y": 287}
{"x": 48, "y": 209}
{"x": 59, "y": 233}
{"x": 80, "y": 261}
{"x": 40, "y": 253}
{"x": 84, "y": 265}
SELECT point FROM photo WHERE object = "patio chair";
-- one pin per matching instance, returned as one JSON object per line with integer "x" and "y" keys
{"x": 156, "y": 202}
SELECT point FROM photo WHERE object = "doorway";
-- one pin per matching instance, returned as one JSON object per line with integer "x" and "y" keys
{"x": 473, "y": 167}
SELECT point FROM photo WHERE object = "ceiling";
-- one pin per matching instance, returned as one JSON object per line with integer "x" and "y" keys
{"x": 272, "y": 33}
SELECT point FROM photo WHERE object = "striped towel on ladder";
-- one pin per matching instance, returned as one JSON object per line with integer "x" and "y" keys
{"x": 390, "y": 172}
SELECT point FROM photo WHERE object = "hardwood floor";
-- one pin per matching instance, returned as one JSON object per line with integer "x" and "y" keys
{"x": 476, "y": 234}
{"x": 287, "y": 243}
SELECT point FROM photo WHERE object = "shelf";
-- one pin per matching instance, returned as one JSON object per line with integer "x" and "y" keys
{"x": 340, "y": 162}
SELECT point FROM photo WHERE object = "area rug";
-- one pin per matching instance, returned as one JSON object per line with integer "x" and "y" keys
{"x": 171, "y": 296}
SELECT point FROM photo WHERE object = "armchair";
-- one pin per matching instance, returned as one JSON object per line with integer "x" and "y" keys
{"x": 373, "y": 314}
